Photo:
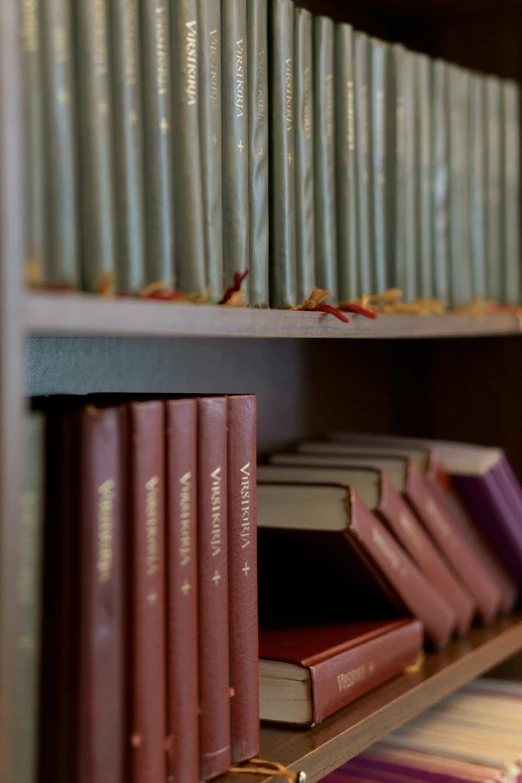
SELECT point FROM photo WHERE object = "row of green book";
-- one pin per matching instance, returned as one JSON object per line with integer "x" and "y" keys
{"x": 174, "y": 143}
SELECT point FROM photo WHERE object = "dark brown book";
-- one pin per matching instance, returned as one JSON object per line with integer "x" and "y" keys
{"x": 182, "y": 591}
{"x": 214, "y": 674}
{"x": 242, "y": 574}
{"x": 147, "y": 616}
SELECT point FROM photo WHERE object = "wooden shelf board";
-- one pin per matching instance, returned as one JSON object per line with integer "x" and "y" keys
{"x": 320, "y": 750}
{"x": 87, "y": 315}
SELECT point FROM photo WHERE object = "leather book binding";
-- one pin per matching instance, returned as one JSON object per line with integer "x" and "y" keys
{"x": 214, "y": 658}
{"x": 182, "y": 591}
{"x": 242, "y": 571}
{"x": 147, "y": 616}
{"x": 363, "y": 150}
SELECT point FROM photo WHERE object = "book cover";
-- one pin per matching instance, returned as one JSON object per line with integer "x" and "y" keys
{"x": 511, "y": 199}
{"x": 379, "y": 53}
{"x": 494, "y": 188}
{"x": 424, "y": 171}
{"x": 440, "y": 183}
{"x": 477, "y": 169}
{"x": 460, "y": 266}
{"x": 363, "y": 151}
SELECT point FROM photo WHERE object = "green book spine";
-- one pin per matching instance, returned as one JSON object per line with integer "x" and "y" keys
{"x": 362, "y": 118}
{"x": 209, "y": 20}
{"x": 466, "y": 184}
{"x": 477, "y": 160}
{"x": 128, "y": 151}
{"x": 257, "y": 21}
{"x": 97, "y": 196}
{"x": 441, "y": 192}
{"x": 193, "y": 273}
{"x": 235, "y": 140}
{"x": 379, "y": 133}
{"x": 30, "y": 11}
{"x": 511, "y": 125}
{"x": 324, "y": 141}
{"x": 160, "y": 267}
{"x": 409, "y": 278}
{"x": 398, "y": 213}
{"x": 346, "y": 165}
{"x": 28, "y": 597}
{"x": 282, "y": 154}
{"x": 423, "y": 132}
{"x": 495, "y": 165}
{"x": 62, "y": 263}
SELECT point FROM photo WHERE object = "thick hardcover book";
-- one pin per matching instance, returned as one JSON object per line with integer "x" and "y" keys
{"x": 214, "y": 657}
{"x": 511, "y": 200}
{"x": 182, "y": 591}
{"x": 192, "y": 276}
{"x": 324, "y": 143}
{"x": 96, "y": 147}
{"x": 147, "y": 738}
{"x": 101, "y": 643}
{"x": 477, "y": 151}
{"x": 424, "y": 173}
{"x": 440, "y": 183}
{"x": 304, "y": 154}
{"x": 258, "y": 134}
{"x": 242, "y": 574}
{"x": 494, "y": 188}
{"x": 363, "y": 151}
{"x": 128, "y": 151}
{"x": 161, "y": 267}
{"x": 379, "y": 53}
{"x": 460, "y": 267}
{"x": 62, "y": 260}
{"x": 307, "y": 674}
{"x": 346, "y": 165}
{"x": 209, "y": 39}
{"x": 282, "y": 154}
{"x": 235, "y": 140}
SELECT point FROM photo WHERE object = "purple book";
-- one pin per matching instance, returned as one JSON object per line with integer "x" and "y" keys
{"x": 368, "y": 768}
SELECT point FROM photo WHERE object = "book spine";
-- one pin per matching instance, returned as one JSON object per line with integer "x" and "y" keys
{"x": 257, "y": 100}
{"x": 511, "y": 125}
{"x": 477, "y": 152}
{"x": 282, "y": 154}
{"x": 398, "y": 213}
{"x": 209, "y": 21}
{"x": 157, "y": 95}
{"x": 182, "y": 596}
{"x": 148, "y": 665}
{"x": 96, "y": 159}
{"x": 495, "y": 237}
{"x": 28, "y": 603}
{"x": 409, "y": 280}
{"x": 338, "y": 682}
{"x": 441, "y": 175}
{"x": 128, "y": 152}
{"x": 424, "y": 126}
{"x": 235, "y": 140}
{"x": 304, "y": 155}
{"x": 214, "y": 656}
{"x": 379, "y": 99}
{"x": 35, "y": 172}
{"x": 101, "y": 613}
{"x": 324, "y": 142}
{"x": 242, "y": 571}
{"x": 346, "y": 163}
{"x": 362, "y": 118}
{"x": 193, "y": 272}
{"x": 62, "y": 263}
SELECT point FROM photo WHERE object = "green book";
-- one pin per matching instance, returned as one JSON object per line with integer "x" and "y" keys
{"x": 282, "y": 154}
{"x": 406, "y": 226}
{"x": 424, "y": 169}
{"x": 494, "y": 188}
{"x": 441, "y": 179}
{"x": 477, "y": 171}
{"x": 62, "y": 261}
{"x": 96, "y": 154}
{"x": 128, "y": 150}
{"x": 258, "y": 132}
{"x": 235, "y": 140}
{"x": 346, "y": 165}
{"x": 380, "y": 154}
{"x": 362, "y": 130}
{"x": 324, "y": 143}
{"x": 194, "y": 274}
{"x": 511, "y": 199}
{"x": 209, "y": 20}
{"x": 397, "y": 224}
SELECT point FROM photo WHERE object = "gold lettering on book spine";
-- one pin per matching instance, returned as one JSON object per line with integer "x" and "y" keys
{"x": 101, "y": 56}
{"x": 440, "y": 521}
{"x": 383, "y": 546}
{"x": 245, "y": 506}
{"x": 162, "y": 57}
{"x": 350, "y": 116}
{"x": 26, "y": 576}
{"x": 260, "y": 94}
{"x": 215, "y": 91}
{"x": 30, "y": 25}
{"x": 329, "y": 115}
{"x": 347, "y": 680}
{"x": 185, "y": 516}
{"x": 191, "y": 85}
{"x": 409, "y": 528}
{"x": 130, "y": 31}
{"x": 152, "y": 525}
{"x": 216, "y": 511}
{"x": 105, "y": 531}
{"x": 307, "y": 103}
{"x": 240, "y": 79}
{"x": 289, "y": 96}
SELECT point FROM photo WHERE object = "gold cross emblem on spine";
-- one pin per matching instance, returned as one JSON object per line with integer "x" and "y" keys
{"x": 246, "y": 569}
{"x": 216, "y": 578}
{"x": 241, "y": 146}
{"x": 185, "y": 588}
{"x": 164, "y": 125}
{"x": 214, "y": 140}
{"x": 152, "y": 598}
{"x": 290, "y": 158}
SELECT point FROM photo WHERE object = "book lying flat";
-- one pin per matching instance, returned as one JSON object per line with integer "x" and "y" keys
{"x": 307, "y": 674}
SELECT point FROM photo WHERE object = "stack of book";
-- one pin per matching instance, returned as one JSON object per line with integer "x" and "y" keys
{"x": 149, "y": 649}
{"x": 174, "y": 146}
{"x": 474, "y": 735}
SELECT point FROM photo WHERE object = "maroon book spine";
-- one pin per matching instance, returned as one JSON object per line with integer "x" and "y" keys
{"x": 182, "y": 591}
{"x": 148, "y": 668}
{"x": 242, "y": 574}
{"x": 101, "y": 608}
{"x": 214, "y": 675}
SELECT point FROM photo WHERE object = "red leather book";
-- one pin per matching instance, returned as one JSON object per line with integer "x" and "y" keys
{"x": 148, "y": 759}
{"x": 214, "y": 658}
{"x": 182, "y": 591}
{"x": 100, "y": 599}
{"x": 327, "y": 667}
{"x": 242, "y": 574}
